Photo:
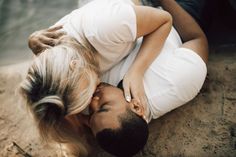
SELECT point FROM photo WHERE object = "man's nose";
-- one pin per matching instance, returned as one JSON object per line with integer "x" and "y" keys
{"x": 94, "y": 105}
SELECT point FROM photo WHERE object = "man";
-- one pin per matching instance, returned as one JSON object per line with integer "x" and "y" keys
{"x": 174, "y": 78}
{"x": 198, "y": 9}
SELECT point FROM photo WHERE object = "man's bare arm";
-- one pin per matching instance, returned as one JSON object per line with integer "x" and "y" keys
{"x": 45, "y": 38}
{"x": 192, "y": 35}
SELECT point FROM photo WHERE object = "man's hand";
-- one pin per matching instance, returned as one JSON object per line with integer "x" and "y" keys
{"x": 43, "y": 39}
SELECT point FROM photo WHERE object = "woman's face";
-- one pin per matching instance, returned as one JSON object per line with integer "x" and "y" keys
{"x": 84, "y": 83}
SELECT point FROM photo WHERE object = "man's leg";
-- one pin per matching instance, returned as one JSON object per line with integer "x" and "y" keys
{"x": 196, "y": 8}
{"x": 190, "y": 32}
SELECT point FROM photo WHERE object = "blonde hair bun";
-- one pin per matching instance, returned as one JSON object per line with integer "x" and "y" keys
{"x": 54, "y": 102}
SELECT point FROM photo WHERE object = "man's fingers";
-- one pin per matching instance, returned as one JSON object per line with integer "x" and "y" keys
{"x": 127, "y": 91}
{"x": 55, "y": 35}
{"x": 40, "y": 48}
{"x": 44, "y": 46}
{"x": 48, "y": 41}
{"x": 55, "y": 28}
{"x": 60, "y": 33}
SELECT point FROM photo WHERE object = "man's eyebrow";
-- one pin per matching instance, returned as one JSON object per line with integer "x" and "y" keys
{"x": 120, "y": 85}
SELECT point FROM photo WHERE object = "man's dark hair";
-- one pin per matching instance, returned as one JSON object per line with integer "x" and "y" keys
{"x": 126, "y": 140}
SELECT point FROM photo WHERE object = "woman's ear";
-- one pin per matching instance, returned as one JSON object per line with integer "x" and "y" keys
{"x": 137, "y": 108}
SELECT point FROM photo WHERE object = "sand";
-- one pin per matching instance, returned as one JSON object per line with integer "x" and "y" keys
{"x": 206, "y": 126}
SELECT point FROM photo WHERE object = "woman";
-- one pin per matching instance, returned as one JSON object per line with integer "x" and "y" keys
{"x": 62, "y": 79}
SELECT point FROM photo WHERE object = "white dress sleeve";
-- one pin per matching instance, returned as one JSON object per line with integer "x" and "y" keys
{"x": 110, "y": 22}
{"x": 110, "y": 27}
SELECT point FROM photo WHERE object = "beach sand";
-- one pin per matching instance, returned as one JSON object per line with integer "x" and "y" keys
{"x": 206, "y": 126}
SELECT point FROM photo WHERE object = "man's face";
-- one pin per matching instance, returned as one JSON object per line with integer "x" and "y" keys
{"x": 107, "y": 104}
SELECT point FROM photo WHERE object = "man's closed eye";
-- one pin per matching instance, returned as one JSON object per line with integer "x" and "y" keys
{"x": 103, "y": 108}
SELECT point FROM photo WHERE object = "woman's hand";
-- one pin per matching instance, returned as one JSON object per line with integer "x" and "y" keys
{"x": 154, "y": 26}
{"x": 43, "y": 39}
{"x": 133, "y": 87}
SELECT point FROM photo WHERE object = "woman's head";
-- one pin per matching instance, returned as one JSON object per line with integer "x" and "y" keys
{"x": 60, "y": 82}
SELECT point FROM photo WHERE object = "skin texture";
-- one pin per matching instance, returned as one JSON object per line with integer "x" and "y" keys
{"x": 107, "y": 104}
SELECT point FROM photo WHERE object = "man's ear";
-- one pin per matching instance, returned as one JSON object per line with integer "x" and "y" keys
{"x": 137, "y": 108}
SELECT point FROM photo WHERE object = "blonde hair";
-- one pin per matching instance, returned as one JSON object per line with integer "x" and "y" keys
{"x": 53, "y": 90}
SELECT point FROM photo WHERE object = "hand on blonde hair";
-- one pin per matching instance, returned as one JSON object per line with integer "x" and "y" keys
{"x": 46, "y": 38}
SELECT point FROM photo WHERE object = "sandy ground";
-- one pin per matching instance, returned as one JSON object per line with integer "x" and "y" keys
{"x": 206, "y": 126}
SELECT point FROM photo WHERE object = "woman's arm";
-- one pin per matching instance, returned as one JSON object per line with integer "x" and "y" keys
{"x": 154, "y": 25}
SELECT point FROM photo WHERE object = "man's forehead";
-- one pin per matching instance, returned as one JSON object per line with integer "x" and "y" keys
{"x": 106, "y": 120}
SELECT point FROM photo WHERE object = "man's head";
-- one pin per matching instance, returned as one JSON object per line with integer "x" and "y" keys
{"x": 119, "y": 126}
